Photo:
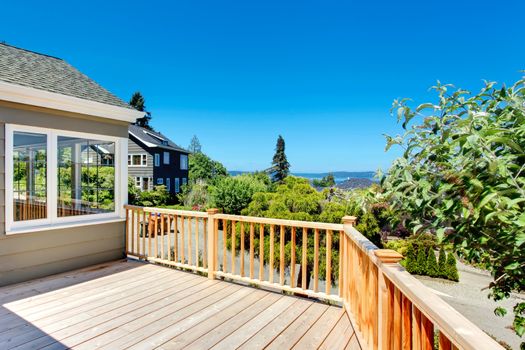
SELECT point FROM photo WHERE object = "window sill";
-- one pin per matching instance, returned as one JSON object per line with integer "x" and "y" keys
{"x": 58, "y": 226}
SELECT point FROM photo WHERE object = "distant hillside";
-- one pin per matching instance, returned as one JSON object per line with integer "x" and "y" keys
{"x": 340, "y": 176}
{"x": 355, "y": 183}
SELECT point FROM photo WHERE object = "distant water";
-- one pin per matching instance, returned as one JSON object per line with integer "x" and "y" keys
{"x": 339, "y": 176}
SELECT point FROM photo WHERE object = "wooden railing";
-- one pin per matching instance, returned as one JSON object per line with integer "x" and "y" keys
{"x": 389, "y": 308}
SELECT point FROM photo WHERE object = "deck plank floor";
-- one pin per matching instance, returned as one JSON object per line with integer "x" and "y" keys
{"x": 132, "y": 305}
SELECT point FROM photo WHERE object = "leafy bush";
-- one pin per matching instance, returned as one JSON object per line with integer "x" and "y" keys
{"x": 158, "y": 197}
{"x": 233, "y": 194}
{"x": 462, "y": 176}
{"x": 450, "y": 268}
{"x": 196, "y": 195}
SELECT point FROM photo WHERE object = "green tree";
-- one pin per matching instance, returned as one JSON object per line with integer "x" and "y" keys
{"x": 233, "y": 194}
{"x": 138, "y": 102}
{"x": 280, "y": 165}
{"x": 442, "y": 261}
{"x": 421, "y": 261}
{"x": 195, "y": 145}
{"x": 432, "y": 269}
{"x": 451, "y": 268}
{"x": 202, "y": 167}
{"x": 462, "y": 176}
{"x": 410, "y": 259}
{"x": 326, "y": 181}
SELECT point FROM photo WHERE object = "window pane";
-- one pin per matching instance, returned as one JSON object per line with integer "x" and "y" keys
{"x": 86, "y": 176}
{"x": 136, "y": 159}
{"x": 29, "y": 176}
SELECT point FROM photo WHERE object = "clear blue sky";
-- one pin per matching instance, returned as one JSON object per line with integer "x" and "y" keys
{"x": 238, "y": 73}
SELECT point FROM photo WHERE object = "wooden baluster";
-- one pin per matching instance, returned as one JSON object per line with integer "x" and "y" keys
{"x": 175, "y": 238}
{"x": 427, "y": 333}
{"x": 169, "y": 237}
{"x": 373, "y": 301}
{"x": 398, "y": 321}
{"x": 197, "y": 220}
{"x": 182, "y": 239}
{"x": 328, "y": 269}
{"x": 252, "y": 234}
{"x": 156, "y": 233}
{"x": 281, "y": 255}
{"x": 204, "y": 248}
{"x": 261, "y": 252}
{"x": 304, "y": 261}
{"x": 190, "y": 259}
{"x": 316, "y": 260}
{"x": 162, "y": 236}
{"x": 272, "y": 238}
{"x": 406, "y": 336}
{"x": 233, "y": 247}
{"x": 241, "y": 255}
{"x": 224, "y": 238}
{"x": 416, "y": 328}
{"x": 342, "y": 266}
{"x": 444, "y": 342}
{"x": 212, "y": 230}
{"x": 144, "y": 225}
{"x": 292, "y": 259}
{"x": 150, "y": 233}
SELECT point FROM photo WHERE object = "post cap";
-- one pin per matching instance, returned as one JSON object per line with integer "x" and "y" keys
{"x": 388, "y": 256}
{"x": 212, "y": 211}
{"x": 349, "y": 220}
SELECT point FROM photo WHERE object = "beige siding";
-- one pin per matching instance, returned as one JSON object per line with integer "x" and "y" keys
{"x": 31, "y": 255}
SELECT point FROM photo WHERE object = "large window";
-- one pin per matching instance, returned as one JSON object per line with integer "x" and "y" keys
{"x": 166, "y": 156}
{"x": 184, "y": 162}
{"x": 57, "y": 175}
{"x": 137, "y": 159}
{"x": 86, "y": 176}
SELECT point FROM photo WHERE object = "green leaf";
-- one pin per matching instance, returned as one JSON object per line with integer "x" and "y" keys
{"x": 487, "y": 199}
{"x": 512, "y": 266}
{"x": 500, "y": 311}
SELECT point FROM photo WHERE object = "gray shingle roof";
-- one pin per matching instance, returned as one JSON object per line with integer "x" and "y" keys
{"x": 154, "y": 138}
{"x": 39, "y": 71}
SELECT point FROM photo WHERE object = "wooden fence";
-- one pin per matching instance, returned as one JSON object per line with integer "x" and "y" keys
{"x": 389, "y": 308}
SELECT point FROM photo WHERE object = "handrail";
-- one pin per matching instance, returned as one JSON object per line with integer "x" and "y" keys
{"x": 389, "y": 308}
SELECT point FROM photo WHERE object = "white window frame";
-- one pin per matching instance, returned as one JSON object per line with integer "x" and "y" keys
{"x": 177, "y": 185}
{"x": 53, "y": 220}
{"x": 157, "y": 159}
{"x": 166, "y": 158}
{"x": 139, "y": 178}
{"x": 185, "y": 163}
{"x": 143, "y": 159}
{"x": 168, "y": 184}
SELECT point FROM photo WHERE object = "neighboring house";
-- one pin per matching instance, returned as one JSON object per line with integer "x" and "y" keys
{"x": 63, "y": 144}
{"x": 153, "y": 160}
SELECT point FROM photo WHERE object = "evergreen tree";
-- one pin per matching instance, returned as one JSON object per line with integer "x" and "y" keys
{"x": 139, "y": 103}
{"x": 451, "y": 268}
{"x": 421, "y": 261}
{"x": 280, "y": 165}
{"x": 410, "y": 259}
{"x": 195, "y": 145}
{"x": 442, "y": 261}
{"x": 432, "y": 265}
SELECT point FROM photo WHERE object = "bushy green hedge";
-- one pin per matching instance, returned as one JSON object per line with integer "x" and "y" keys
{"x": 420, "y": 258}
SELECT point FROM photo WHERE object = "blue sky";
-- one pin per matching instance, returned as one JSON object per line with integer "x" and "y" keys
{"x": 239, "y": 73}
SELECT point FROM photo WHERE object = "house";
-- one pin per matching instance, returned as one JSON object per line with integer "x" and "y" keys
{"x": 63, "y": 144}
{"x": 154, "y": 159}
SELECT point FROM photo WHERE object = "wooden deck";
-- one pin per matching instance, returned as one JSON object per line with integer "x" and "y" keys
{"x": 133, "y": 305}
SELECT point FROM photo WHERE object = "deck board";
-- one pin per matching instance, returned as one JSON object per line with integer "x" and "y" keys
{"x": 133, "y": 305}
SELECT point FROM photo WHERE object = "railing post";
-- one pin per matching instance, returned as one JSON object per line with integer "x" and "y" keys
{"x": 385, "y": 302}
{"x": 212, "y": 244}
{"x": 345, "y": 248}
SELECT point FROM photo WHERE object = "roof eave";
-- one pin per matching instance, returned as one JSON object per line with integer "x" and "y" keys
{"x": 41, "y": 98}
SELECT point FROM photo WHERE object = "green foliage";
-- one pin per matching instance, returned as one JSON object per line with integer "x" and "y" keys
{"x": 451, "y": 268}
{"x": 195, "y": 196}
{"x": 410, "y": 259}
{"x": 202, "y": 167}
{"x": 158, "y": 197}
{"x": 432, "y": 269}
{"x": 421, "y": 262}
{"x": 442, "y": 270}
{"x": 138, "y": 102}
{"x": 232, "y": 194}
{"x": 280, "y": 165}
{"x": 195, "y": 145}
{"x": 326, "y": 181}
{"x": 462, "y": 176}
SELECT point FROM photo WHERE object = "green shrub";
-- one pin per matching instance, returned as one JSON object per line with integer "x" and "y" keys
{"x": 442, "y": 261}
{"x": 233, "y": 194}
{"x": 451, "y": 268}
{"x": 432, "y": 269}
{"x": 420, "y": 266}
{"x": 410, "y": 259}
